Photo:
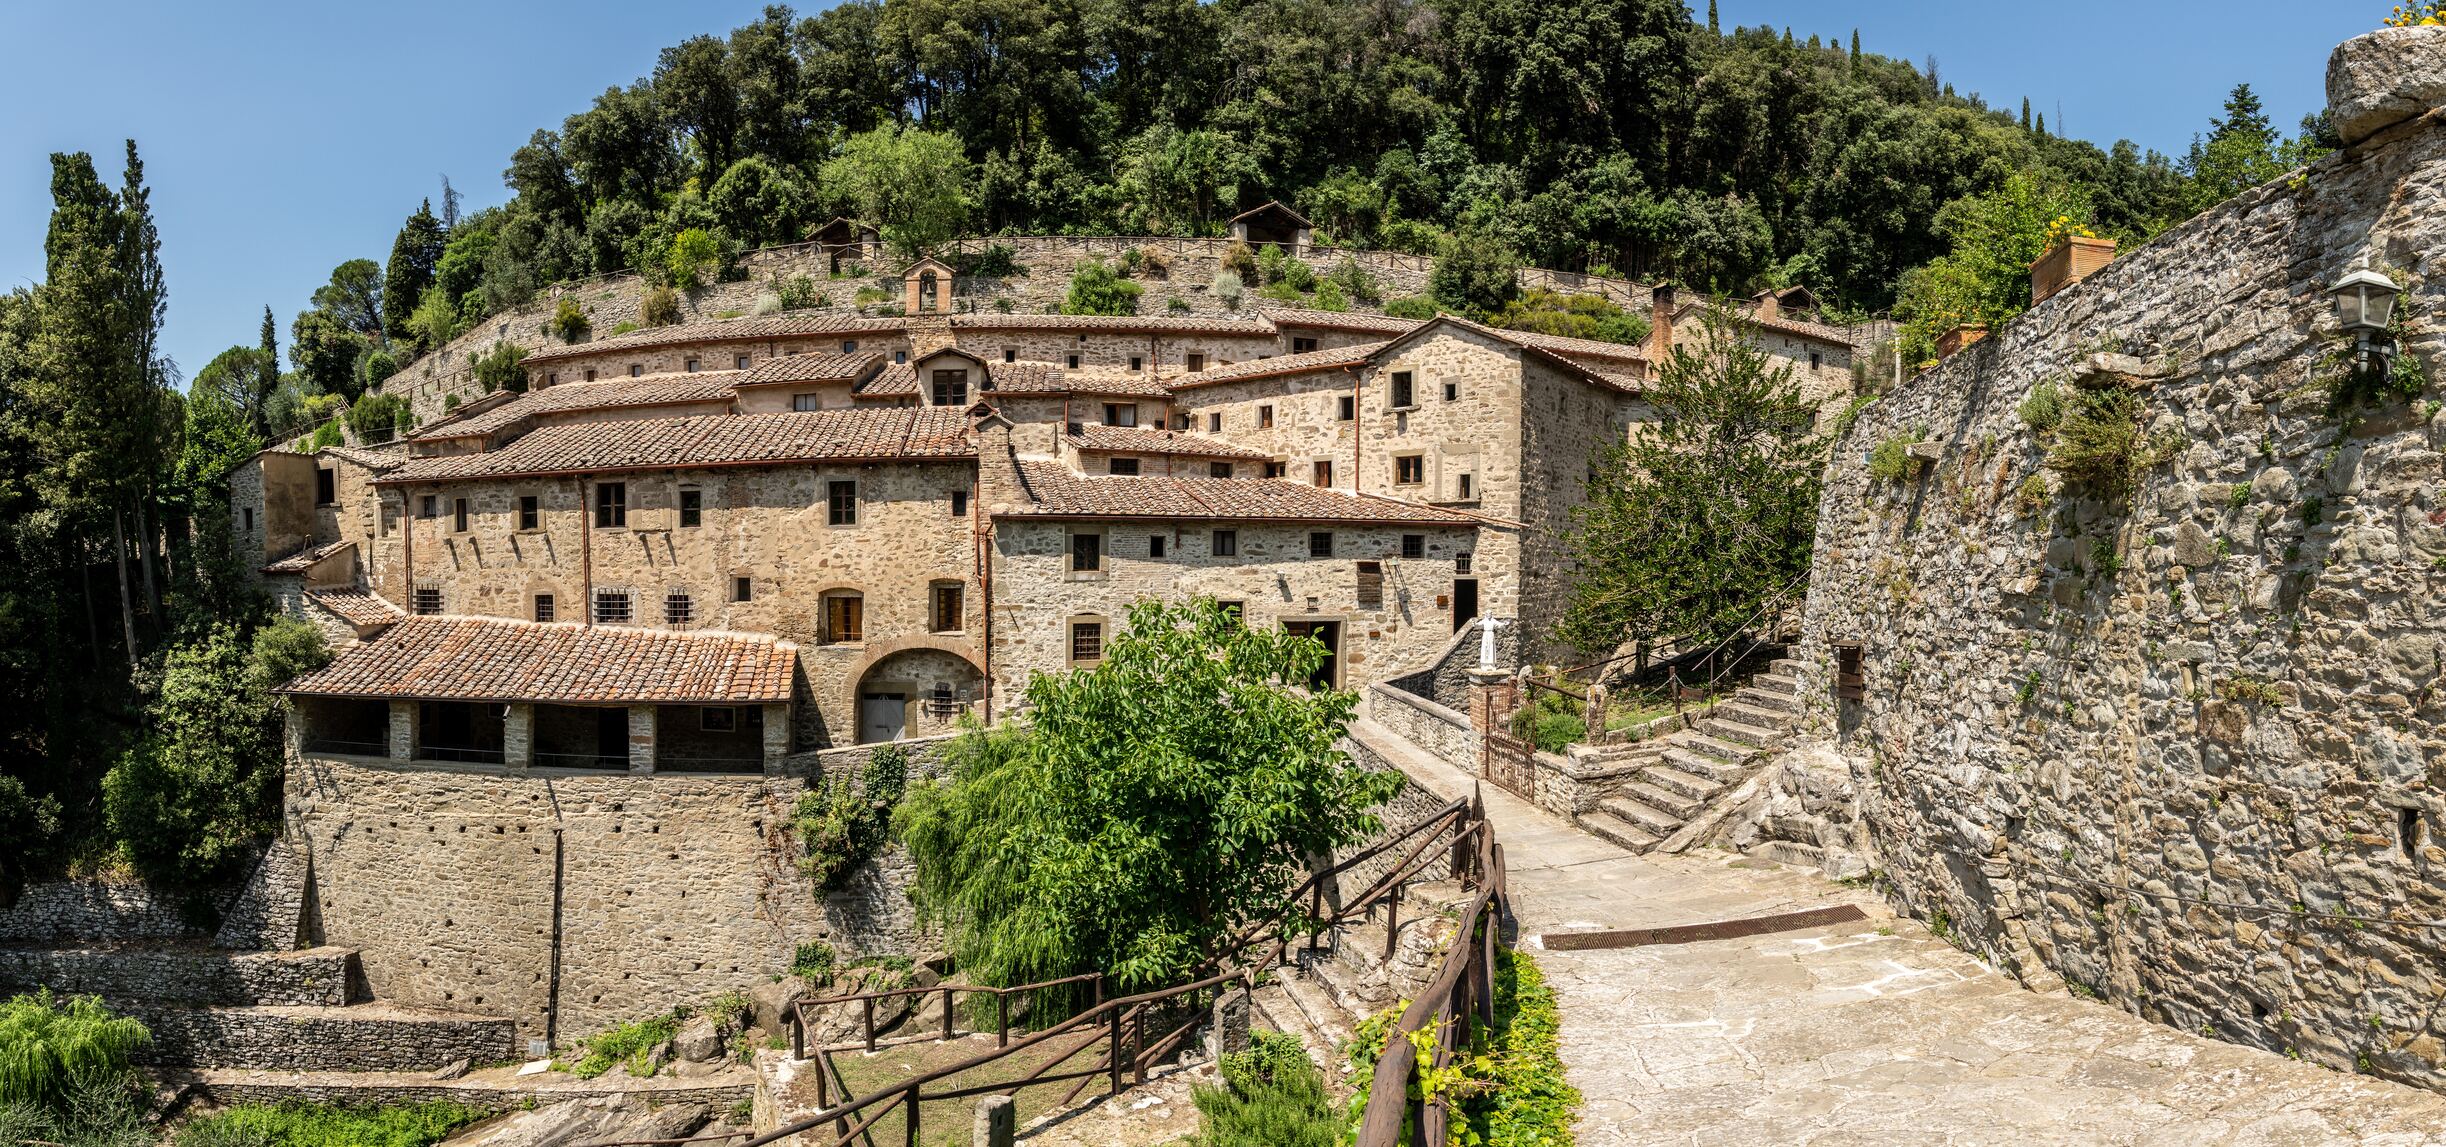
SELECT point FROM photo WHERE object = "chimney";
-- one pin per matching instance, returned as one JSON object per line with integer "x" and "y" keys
{"x": 998, "y": 485}
{"x": 1660, "y": 334}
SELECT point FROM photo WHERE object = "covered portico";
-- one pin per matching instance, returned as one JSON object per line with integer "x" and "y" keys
{"x": 527, "y": 695}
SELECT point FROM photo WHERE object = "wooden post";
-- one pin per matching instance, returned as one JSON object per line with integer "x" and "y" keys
{"x": 798, "y": 1033}
{"x": 1392, "y": 920}
{"x": 946, "y": 1013}
{"x": 868, "y": 1006}
{"x": 1316, "y": 914}
{"x": 823, "y": 1088}
{"x": 1002, "y": 1019}
{"x": 1138, "y": 1047}
{"x": 1115, "y": 1057}
{"x": 914, "y": 1108}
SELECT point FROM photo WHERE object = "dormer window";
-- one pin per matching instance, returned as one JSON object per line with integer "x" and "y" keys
{"x": 951, "y": 388}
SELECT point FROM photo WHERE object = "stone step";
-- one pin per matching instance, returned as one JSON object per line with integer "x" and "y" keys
{"x": 1777, "y": 683}
{"x": 1697, "y": 742}
{"x": 1658, "y": 797}
{"x": 1787, "y": 666}
{"x": 1275, "y": 1008}
{"x": 1741, "y": 712}
{"x": 1694, "y": 787}
{"x": 1619, "y": 831}
{"x": 1751, "y": 695}
{"x": 1341, "y": 982}
{"x": 1711, "y": 768}
{"x": 1316, "y": 1003}
{"x": 1755, "y": 736}
{"x": 1654, "y": 821}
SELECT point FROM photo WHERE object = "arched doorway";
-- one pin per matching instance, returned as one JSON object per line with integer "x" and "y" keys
{"x": 916, "y": 692}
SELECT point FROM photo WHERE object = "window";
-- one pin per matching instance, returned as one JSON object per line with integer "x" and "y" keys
{"x": 1469, "y": 488}
{"x": 636, "y": 370}
{"x": 428, "y": 506}
{"x": 1086, "y": 553}
{"x": 612, "y": 607}
{"x": 1073, "y": 362}
{"x": 1137, "y": 363}
{"x": 530, "y": 511}
{"x": 1155, "y": 545}
{"x": 458, "y": 515}
{"x": 1302, "y": 346}
{"x": 1346, "y": 407}
{"x": 806, "y": 402}
{"x": 1371, "y": 585}
{"x": 1086, "y": 641}
{"x": 678, "y": 608}
{"x": 611, "y": 504}
{"x": 900, "y": 356}
{"x": 1195, "y": 362}
{"x": 326, "y": 486}
{"x": 1461, "y": 562}
{"x": 1123, "y": 466}
{"x": 1227, "y": 543}
{"x": 844, "y": 617}
{"x": 951, "y": 388}
{"x": 1180, "y": 421}
{"x": 247, "y": 515}
{"x": 1236, "y": 610}
{"x": 552, "y": 379}
{"x": 693, "y": 366}
{"x": 1218, "y": 469}
{"x": 428, "y": 599}
{"x": 1009, "y": 355}
{"x": 743, "y": 588}
{"x": 543, "y": 607}
{"x": 843, "y": 500}
{"x": 1816, "y": 360}
{"x": 1850, "y": 683}
{"x": 1409, "y": 469}
{"x": 1121, "y": 414}
{"x": 959, "y": 503}
{"x": 1214, "y": 423}
{"x": 718, "y": 719}
{"x": 1452, "y": 390}
{"x": 849, "y": 346}
{"x": 590, "y": 374}
{"x": 1320, "y": 544}
{"x": 1275, "y": 469}
{"x": 739, "y": 363}
{"x": 1414, "y": 546}
{"x": 1265, "y": 417}
{"x": 947, "y": 613}
{"x": 1405, "y": 394}
{"x": 692, "y": 508}
{"x": 1323, "y": 473}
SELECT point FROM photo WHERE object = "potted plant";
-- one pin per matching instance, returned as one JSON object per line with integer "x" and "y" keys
{"x": 2074, "y": 253}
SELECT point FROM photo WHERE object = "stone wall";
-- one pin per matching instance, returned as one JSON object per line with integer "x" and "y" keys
{"x": 316, "y": 977}
{"x": 2178, "y": 747}
{"x": 1444, "y": 733}
{"x": 370, "y": 1038}
{"x": 108, "y": 911}
{"x": 269, "y": 912}
{"x": 229, "y": 1089}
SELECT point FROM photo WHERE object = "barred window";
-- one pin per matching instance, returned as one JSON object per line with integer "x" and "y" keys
{"x": 1086, "y": 641}
{"x": 543, "y": 607}
{"x": 678, "y": 608}
{"x": 1320, "y": 544}
{"x": 1414, "y": 545}
{"x": 612, "y": 607}
{"x": 428, "y": 599}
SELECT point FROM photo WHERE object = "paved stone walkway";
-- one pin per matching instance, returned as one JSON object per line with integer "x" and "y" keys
{"x": 1868, "y": 1033}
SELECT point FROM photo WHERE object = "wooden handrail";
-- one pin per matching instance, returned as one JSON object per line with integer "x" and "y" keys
{"x": 1471, "y": 955}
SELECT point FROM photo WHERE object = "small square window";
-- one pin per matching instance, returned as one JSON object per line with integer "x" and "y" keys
{"x": 636, "y": 370}
{"x": 326, "y": 486}
{"x": 959, "y": 503}
{"x": 1086, "y": 553}
{"x": 1816, "y": 360}
{"x": 1302, "y": 346}
{"x": 247, "y": 515}
{"x": 543, "y": 607}
{"x": 718, "y": 719}
{"x": 428, "y": 506}
{"x": 1405, "y": 391}
{"x": 1452, "y": 390}
{"x": 1072, "y": 362}
{"x": 1276, "y": 469}
{"x": 1265, "y": 417}
{"x": 1414, "y": 546}
{"x": 1218, "y": 469}
{"x": 1469, "y": 487}
{"x": 842, "y": 502}
{"x": 612, "y": 607}
{"x": 691, "y": 508}
{"x": 1462, "y": 561}
{"x": 1409, "y": 469}
{"x": 1137, "y": 363}
{"x": 1123, "y": 466}
{"x": 1346, "y": 407}
{"x": 1009, "y": 355}
{"x": 738, "y": 362}
{"x": 742, "y": 588}
{"x": 1086, "y": 641}
{"x": 693, "y": 366}
{"x": 458, "y": 515}
{"x": 611, "y": 505}
{"x": 1323, "y": 473}
{"x": 678, "y": 608}
{"x": 900, "y": 356}
{"x": 849, "y": 346}
{"x": 802, "y": 403}
{"x": 1155, "y": 545}
{"x": 1195, "y": 363}
{"x": 1227, "y": 543}
{"x": 428, "y": 599}
{"x": 1214, "y": 423}
{"x": 1121, "y": 414}
{"x": 1320, "y": 544}
{"x": 530, "y": 511}
{"x": 590, "y": 374}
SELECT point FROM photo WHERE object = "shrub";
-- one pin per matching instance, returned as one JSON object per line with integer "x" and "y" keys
{"x": 2043, "y": 410}
{"x": 693, "y": 252}
{"x": 1891, "y": 460}
{"x": 1550, "y": 721}
{"x": 2034, "y": 496}
{"x": 659, "y": 307}
{"x": 500, "y": 369}
{"x": 1096, "y": 290}
{"x": 377, "y": 365}
{"x": 996, "y": 261}
{"x": 623, "y": 327}
{"x": 328, "y": 434}
{"x": 1572, "y": 316}
{"x": 869, "y": 296}
{"x": 1228, "y": 287}
{"x": 297, "y": 1124}
{"x": 2098, "y": 440}
{"x": 630, "y": 1043}
{"x": 1176, "y": 305}
{"x": 568, "y": 322}
{"x": 767, "y": 303}
{"x": 1355, "y": 282}
{"x": 1241, "y": 262}
{"x": 841, "y": 826}
{"x": 1003, "y": 304}
{"x": 1329, "y": 298}
{"x": 1411, "y": 307}
{"x": 1510, "y": 1091}
{"x": 797, "y": 293}
{"x": 376, "y": 417}
{"x": 435, "y": 320}
{"x": 1271, "y": 1097}
{"x": 51, "y": 1047}
{"x": 813, "y": 961}
{"x": 450, "y": 402}
{"x": 1281, "y": 292}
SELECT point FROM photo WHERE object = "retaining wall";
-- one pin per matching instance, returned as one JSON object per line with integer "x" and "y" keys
{"x": 317, "y": 976}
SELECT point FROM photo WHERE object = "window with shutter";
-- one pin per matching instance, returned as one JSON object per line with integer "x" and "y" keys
{"x": 1371, "y": 585}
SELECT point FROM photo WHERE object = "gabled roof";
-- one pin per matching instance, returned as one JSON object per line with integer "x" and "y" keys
{"x": 1277, "y": 206}
{"x": 1358, "y": 321}
{"x": 375, "y": 460}
{"x": 675, "y": 388}
{"x": 357, "y": 608}
{"x": 1058, "y": 493}
{"x": 306, "y": 559}
{"x": 1815, "y": 332}
{"x": 788, "y": 324}
{"x": 1123, "y": 324}
{"x": 1536, "y": 346}
{"x": 853, "y": 435}
{"x": 495, "y": 659}
{"x": 805, "y": 368}
{"x": 1307, "y": 362}
{"x": 1096, "y": 438}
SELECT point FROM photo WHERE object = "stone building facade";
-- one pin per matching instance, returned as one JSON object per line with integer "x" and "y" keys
{"x": 2176, "y": 746}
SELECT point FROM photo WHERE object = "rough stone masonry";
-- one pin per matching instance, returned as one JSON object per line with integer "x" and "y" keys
{"x": 2182, "y": 748}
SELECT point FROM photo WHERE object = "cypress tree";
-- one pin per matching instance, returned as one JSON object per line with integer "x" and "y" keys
{"x": 415, "y": 255}
{"x": 2042, "y": 123}
{"x": 1855, "y": 49}
{"x": 1713, "y": 29}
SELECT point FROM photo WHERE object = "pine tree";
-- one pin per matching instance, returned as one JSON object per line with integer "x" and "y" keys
{"x": 2245, "y": 119}
{"x": 415, "y": 255}
{"x": 153, "y": 405}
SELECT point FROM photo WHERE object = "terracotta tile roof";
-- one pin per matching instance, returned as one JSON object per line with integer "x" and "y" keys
{"x": 898, "y": 380}
{"x": 305, "y": 559}
{"x": 493, "y": 659}
{"x": 813, "y": 368}
{"x": 375, "y": 460}
{"x": 1117, "y": 324}
{"x": 673, "y": 388}
{"x": 363, "y": 610}
{"x": 1817, "y": 332}
{"x": 711, "y": 440}
{"x": 1129, "y": 385}
{"x": 1315, "y": 360}
{"x": 1542, "y": 347}
{"x": 1576, "y": 348}
{"x": 1339, "y": 320}
{"x": 793, "y": 324}
{"x": 1146, "y": 440}
{"x": 1058, "y": 493}
{"x": 1025, "y": 378}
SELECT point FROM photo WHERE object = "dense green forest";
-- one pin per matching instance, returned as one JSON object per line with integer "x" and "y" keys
{"x": 1632, "y": 137}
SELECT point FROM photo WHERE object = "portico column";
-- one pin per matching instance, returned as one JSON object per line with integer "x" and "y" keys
{"x": 776, "y": 737}
{"x": 641, "y": 738}
{"x": 518, "y": 735}
{"x": 403, "y": 730}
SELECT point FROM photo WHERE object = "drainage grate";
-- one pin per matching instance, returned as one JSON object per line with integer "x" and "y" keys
{"x": 1697, "y": 933}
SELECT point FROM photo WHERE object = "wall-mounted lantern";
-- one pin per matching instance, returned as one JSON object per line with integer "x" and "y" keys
{"x": 2365, "y": 306}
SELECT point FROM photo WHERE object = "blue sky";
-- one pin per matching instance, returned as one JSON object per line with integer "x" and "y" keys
{"x": 284, "y": 137}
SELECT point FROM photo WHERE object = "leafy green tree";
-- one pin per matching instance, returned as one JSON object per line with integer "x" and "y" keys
{"x": 1709, "y": 511}
{"x": 237, "y": 376}
{"x": 353, "y": 297}
{"x": 1477, "y": 276}
{"x": 1150, "y": 807}
{"x": 692, "y": 253}
{"x": 913, "y": 183}
{"x": 435, "y": 322}
{"x": 416, "y": 254}
{"x": 500, "y": 369}
{"x": 1096, "y": 289}
{"x": 325, "y": 353}
{"x": 1572, "y": 316}
{"x": 1985, "y": 278}
{"x": 762, "y": 203}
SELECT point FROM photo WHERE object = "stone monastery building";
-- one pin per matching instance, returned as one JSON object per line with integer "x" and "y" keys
{"x": 709, "y": 547}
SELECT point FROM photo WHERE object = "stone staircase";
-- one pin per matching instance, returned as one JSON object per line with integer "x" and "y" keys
{"x": 1321, "y": 996}
{"x": 1680, "y": 777}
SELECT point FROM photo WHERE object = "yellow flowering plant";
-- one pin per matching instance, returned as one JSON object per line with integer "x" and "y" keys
{"x": 2418, "y": 16}
{"x": 2062, "y": 228}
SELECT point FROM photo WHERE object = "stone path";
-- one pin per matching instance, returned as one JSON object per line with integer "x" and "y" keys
{"x": 1868, "y": 1033}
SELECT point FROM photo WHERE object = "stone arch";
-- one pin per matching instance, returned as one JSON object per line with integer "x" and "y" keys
{"x": 919, "y": 667}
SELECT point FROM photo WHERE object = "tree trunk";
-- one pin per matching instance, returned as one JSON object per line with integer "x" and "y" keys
{"x": 127, "y": 604}
{"x": 148, "y": 547}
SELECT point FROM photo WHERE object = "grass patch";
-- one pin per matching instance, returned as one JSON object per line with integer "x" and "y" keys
{"x": 295, "y": 1124}
{"x": 945, "y": 1122}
